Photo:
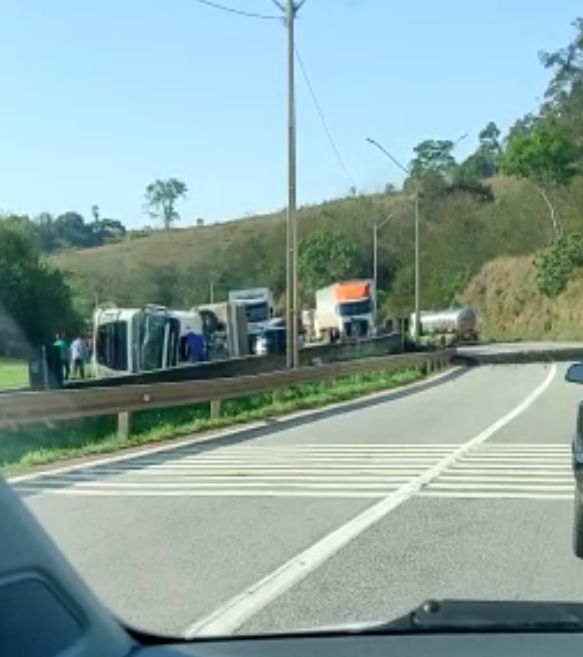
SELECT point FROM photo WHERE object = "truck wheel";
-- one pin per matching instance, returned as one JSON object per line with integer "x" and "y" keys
{"x": 578, "y": 528}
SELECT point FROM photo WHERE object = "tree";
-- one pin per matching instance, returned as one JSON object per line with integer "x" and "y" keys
{"x": 71, "y": 230}
{"x": 544, "y": 154}
{"x": 35, "y": 301}
{"x": 326, "y": 256}
{"x": 161, "y": 199}
{"x": 433, "y": 156}
{"x": 95, "y": 214}
{"x": 45, "y": 231}
{"x": 490, "y": 139}
{"x": 564, "y": 94}
{"x": 485, "y": 161}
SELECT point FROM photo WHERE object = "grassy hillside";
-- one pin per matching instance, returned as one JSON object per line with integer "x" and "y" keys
{"x": 510, "y": 306}
{"x": 459, "y": 234}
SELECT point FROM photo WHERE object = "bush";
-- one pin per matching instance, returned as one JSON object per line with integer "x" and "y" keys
{"x": 555, "y": 265}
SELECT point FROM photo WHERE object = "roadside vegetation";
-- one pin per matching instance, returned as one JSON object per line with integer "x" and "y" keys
{"x": 35, "y": 445}
{"x": 13, "y": 373}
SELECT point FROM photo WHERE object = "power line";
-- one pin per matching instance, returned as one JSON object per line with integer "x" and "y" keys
{"x": 339, "y": 157}
{"x": 239, "y": 12}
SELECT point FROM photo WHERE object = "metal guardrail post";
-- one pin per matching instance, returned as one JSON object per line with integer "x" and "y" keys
{"x": 123, "y": 425}
{"x": 215, "y": 411}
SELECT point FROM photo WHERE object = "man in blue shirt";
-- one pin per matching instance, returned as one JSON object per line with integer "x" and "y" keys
{"x": 195, "y": 348}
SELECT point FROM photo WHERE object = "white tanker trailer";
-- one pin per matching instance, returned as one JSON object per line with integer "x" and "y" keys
{"x": 452, "y": 326}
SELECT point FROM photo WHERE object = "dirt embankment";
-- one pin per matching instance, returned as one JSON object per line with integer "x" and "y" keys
{"x": 509, "y": 305}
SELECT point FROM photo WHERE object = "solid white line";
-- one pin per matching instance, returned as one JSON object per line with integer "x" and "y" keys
{"x": 502, "y": 486}
{"x": 236, "y": 611}
{"x": 515, "y": 467}
{"x": 514, "y": 495}
{"x": 171, "y": 445}
{"x": 231, "y": 479}
{"x": 306, "y": 484}
{"x": 526, "y": 459}
{"x": 176, "y": 473}
{"x": 508, "y": 477}
{"x": 526, "y": 448}
{"x": 339, "y": 494}
{"x": 336, "y": 448}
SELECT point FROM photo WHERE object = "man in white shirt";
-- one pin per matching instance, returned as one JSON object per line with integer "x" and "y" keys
{"x": 78, "y": 357}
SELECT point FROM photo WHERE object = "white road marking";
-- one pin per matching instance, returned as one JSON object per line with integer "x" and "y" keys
{"x": 223, "y": 493}
{"x": 236, "y": 611}
{"x": 511, "y": 495}
{"x": 374, "y": 470}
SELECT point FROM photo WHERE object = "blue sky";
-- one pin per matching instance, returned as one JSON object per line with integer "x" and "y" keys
{"x": 100, "y": 98}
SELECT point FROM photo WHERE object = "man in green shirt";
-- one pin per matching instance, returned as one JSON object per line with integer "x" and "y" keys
{"x": 63, "y": 347}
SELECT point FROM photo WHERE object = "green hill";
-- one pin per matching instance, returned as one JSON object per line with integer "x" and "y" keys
{"x": 459, "y": 234}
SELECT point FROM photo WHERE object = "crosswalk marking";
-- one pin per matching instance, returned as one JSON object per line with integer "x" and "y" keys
{"x": 511, "y": 471}
{"x": 517, "y": 470}
{"x": 310, "y": 470}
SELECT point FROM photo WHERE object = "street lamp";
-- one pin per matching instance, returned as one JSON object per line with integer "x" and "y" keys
{"x": 417, "y": 268}
{"x": 375, "y": 253}
{"x": 406, "y": 170}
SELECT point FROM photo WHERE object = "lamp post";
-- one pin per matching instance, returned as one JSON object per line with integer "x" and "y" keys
{"x": 375, "y": 253}
{"x": 417, "y": 257}
{"x": 417, "y": 324}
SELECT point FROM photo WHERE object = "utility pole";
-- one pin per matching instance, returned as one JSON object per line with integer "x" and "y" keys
{"x": 290, "y": 10}
{"x": 292, "y": 227}
{"x": 417, "y": 331}
{"x": 375, "y": 248}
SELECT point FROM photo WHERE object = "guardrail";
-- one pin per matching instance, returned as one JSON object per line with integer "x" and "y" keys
{"x": 518, "y": 356}
{"x": 250, "y": 365}
{"x": 33, "y": 407}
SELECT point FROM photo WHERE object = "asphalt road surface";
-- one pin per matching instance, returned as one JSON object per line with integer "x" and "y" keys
{"x": 458, "y": 487}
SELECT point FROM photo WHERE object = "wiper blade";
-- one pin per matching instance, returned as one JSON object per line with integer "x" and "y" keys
{"x": 486, "y": 615}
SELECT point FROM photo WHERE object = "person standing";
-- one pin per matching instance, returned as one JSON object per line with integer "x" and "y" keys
{"x": 195, "y": 348}
{"x": 78, "y": 357}
{"x": 61, "y": 344}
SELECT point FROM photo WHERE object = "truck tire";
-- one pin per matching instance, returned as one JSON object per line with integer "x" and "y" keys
{"x": 578, "y": 528}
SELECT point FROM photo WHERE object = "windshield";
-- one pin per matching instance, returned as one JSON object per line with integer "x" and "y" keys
{"x": 351, "y": 309}
{"x": 285, "y": 314}
{"x": 257, "y": 312}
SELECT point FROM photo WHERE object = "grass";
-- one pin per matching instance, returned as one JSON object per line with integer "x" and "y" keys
{"x": 13, "y": 373}
{"x": 30, "y": 446}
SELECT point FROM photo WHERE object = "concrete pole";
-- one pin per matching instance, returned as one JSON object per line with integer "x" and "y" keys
{"x": 375, "y": 256}
{"x": 292, "y": 230}
{"x": 417, "y": 333}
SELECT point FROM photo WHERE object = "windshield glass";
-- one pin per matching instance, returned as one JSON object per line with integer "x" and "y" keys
{"x": 257, "y": 312}
{"x": 285, "y": 314}
{"x": 350, "y": 309}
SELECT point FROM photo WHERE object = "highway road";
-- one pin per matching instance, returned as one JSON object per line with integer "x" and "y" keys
{"x": 458, "y": 487}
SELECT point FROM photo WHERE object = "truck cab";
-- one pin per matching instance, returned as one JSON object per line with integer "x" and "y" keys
{"x": 258, "y": 305}
{"x": 345, "y": 310}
